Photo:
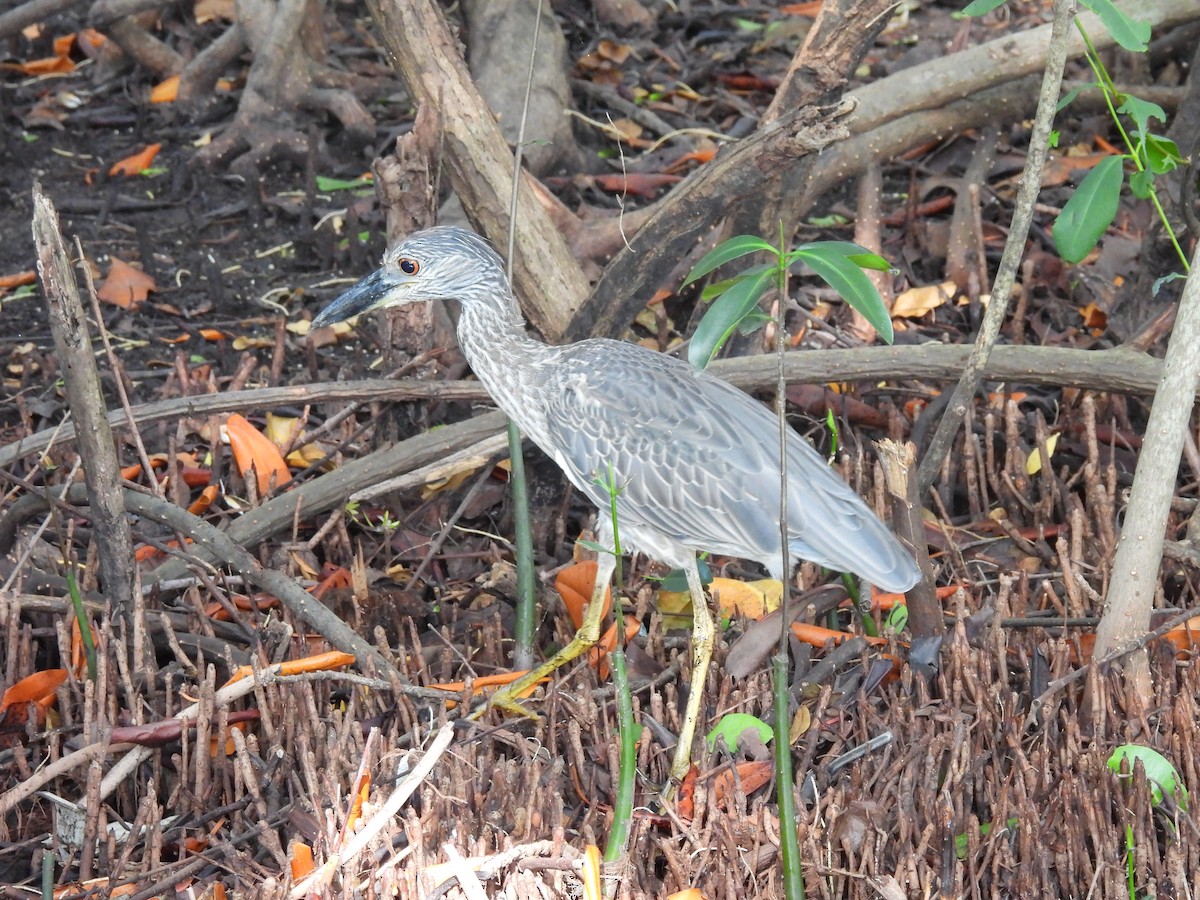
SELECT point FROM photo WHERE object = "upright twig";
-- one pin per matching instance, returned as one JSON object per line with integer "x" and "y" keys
{"x": 101, "y": 469}
{"x": 1006, "y": 272}
{"x": 1139, "y": 549}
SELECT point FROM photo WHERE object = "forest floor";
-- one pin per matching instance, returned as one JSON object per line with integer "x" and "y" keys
{"x": 984, "y": 776}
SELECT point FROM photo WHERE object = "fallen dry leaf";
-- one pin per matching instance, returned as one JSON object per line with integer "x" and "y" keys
{"x": 916, "y": 302}
{"x": 125, "y": 286}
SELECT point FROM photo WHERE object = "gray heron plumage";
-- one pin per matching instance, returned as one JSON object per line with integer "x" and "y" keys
{"x": 697, "y": 460}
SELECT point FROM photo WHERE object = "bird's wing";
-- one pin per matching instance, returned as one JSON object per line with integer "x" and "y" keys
{"x": 697, "y": 461}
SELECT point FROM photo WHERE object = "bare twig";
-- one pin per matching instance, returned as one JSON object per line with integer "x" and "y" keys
{"x": 1014, "y": 248}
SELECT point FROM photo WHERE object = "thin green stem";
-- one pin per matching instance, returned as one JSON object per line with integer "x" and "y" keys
{"x": 526, "y": 621}
{"x": 1109, "y": 89}
{"x": 628, "y": 731}
{"x": 789, "y": 835}
{"x": 85, "y": 630}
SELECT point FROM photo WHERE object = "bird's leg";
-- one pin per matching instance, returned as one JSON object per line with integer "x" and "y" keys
{"x": 702, "y": 651}
{"x": 589, "y": 632}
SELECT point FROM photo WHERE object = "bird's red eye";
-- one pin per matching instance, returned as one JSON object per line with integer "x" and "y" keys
{"x": 409, "y": 266}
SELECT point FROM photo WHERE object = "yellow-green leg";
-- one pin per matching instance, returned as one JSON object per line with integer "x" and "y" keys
{"x": 702, "y": 651}
{"x": 509, "y": 697}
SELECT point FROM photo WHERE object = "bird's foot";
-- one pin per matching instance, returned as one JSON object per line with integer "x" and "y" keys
{"x": 509, "y": 698}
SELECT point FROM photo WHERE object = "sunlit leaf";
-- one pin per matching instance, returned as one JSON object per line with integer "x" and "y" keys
{"x": 731, "y": 726}
{"x": 1033, "y": 464}
{"x": 1162, "y": 775}
{"x": 833, "y": 262}
{"x": 918, "y": 301}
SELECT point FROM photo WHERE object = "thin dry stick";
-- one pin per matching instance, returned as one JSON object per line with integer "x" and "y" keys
{"x": 118, "y": 380}
{"x": 1006, "y": 272}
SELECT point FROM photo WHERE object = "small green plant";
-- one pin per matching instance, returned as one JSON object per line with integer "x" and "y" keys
{"x": 732, "y": 726}
{"x": 735, "y": 300}
{"x": 628, "y": 731}
{"x": 85, "y": 630}
{"x": 832, "y": 425}
{"x": 1160, "y": 773}
{"x": 1093, "y": 207}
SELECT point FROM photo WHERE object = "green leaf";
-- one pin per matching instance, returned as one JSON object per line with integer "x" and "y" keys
{"x": 717, "y": 288}
{"x": 1090, "y": 210}
{"x": 897, "y": 618}
{"x": 833, "y": 262}
{"x": 1166, "y": 279}
{"x": 981, "y": 7}
{"x": 1069, "y": 97}
{"x": 869, "y": 260}
{"x": 328, "y": 185}
{"x": 723, "y": 317}
{"x": 1141, "y": 184}
{"x": 675, "y": 581}
{"x": 753, "y": 320}
{"x": 728, "y": 251}
{"x": 1161, "y": 774}
{"x": 833, "y": 220}
{"x": 731, "y": 727}
{"x": 1141, "y": 111}
{"x": 962, "y": 841}
{"x": 1162, "y": 154}
{"x": 1131, "y": 35}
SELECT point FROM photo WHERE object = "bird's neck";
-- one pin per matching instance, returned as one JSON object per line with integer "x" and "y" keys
{"x": 505, "y": 359}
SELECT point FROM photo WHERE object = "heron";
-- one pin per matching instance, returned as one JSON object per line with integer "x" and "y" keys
{"x": 696, "y": 459}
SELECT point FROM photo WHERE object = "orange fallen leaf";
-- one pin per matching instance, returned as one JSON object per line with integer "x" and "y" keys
{"x": 37, "y": 688}
{"x": 78, "y": 650}
{"x": 320, "y": 662}
{"x": 361, "y": 792}
{"x": 639, "y": 184}
{"x": 809, "y": 9}
{"x": 301, "y": 860}
{"x": 125, "y": 286}
{"x": 137, "y": 163}
{"x": 484, "y": 683}
{"x": 340, "y": 577}
{"x": 685, "y": 806}
{"x": 208, "y": 496}
{"x": 165, "y": 91}
{"x": 575, "y": 584}
{"x": 695, "y": 156}
{"x": 598, "y": 654}
{"x": 1060, "y": 167}
{"x": 18, "y": 279}
{"x": 48, "y": 65}
{"x": 750, "y": 776}
{"x": 254, "y": 451}
{"x": 89, "y": 40}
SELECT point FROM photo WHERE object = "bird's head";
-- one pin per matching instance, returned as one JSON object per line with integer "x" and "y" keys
{"x": 435, "y": 264}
